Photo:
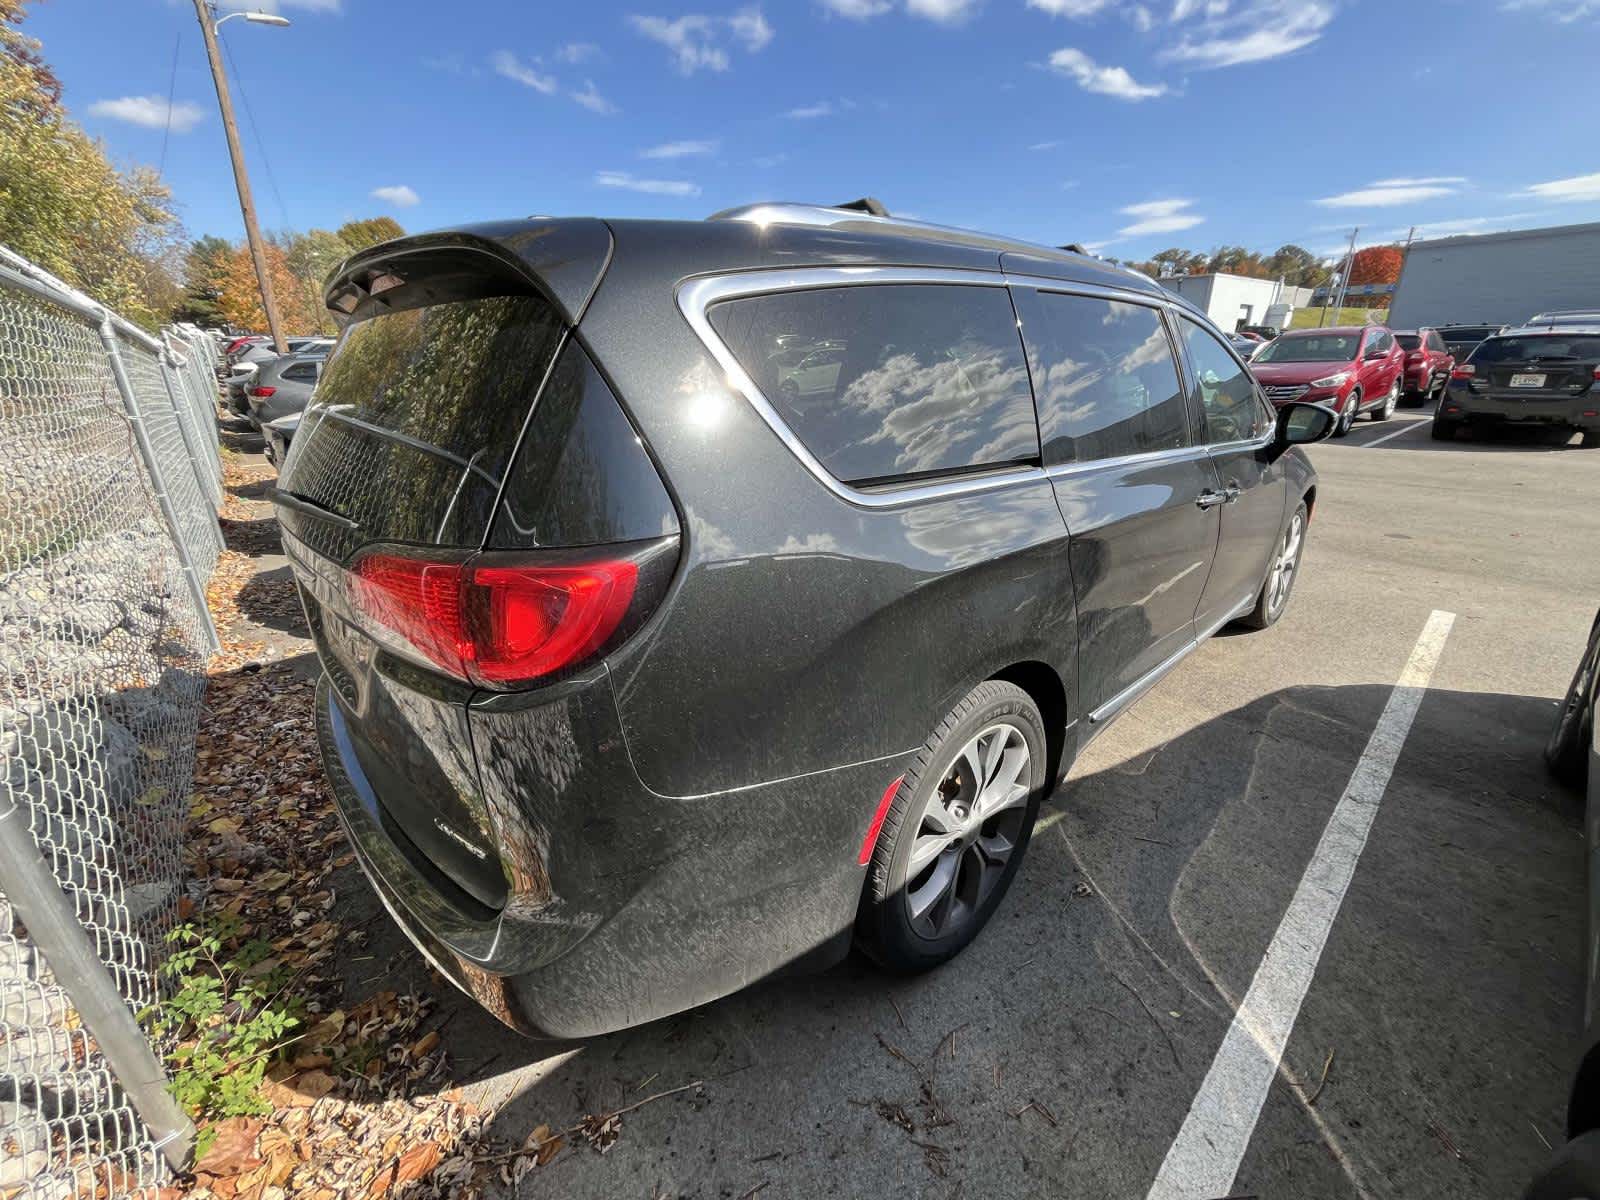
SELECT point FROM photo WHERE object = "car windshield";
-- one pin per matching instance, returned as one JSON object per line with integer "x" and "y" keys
{"x": 1584, "y": 348}
{"x": 1317, "y": 347}
{"x": 1408, "y": 341}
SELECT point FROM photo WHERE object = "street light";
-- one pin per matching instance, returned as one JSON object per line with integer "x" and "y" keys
{"x": 247, "y": 205}
{"x": 259, "y": 18}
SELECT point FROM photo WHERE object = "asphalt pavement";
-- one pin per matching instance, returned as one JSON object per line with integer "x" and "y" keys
{"x": 1401, "y": 851}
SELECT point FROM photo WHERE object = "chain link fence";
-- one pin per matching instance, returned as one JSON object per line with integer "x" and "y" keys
{"x": 109, "y": 480}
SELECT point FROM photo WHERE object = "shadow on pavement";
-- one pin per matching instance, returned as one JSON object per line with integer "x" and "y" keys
{"x": 1059, "y": 1053}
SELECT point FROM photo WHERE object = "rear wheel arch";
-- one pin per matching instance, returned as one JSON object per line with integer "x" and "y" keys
{"x": 1045, "y": 688}
{"x": 1310, "y": 501}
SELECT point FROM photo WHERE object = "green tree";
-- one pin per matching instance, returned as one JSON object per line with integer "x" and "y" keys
{"x": 64, "y": 205}
{"x": 203, "y": 267}
{"x": 1296, "y": 266}
{"x": 358, "y": 235}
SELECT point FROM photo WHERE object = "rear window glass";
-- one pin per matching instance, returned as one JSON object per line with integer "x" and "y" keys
{"x": 414, "y": 419}
{"x": 1409, "y": 341}
{"x": 1530, "y": 349}
{"x": 890, "y": 381}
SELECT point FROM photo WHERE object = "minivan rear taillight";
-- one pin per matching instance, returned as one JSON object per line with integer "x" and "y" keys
{"x": 501, "y": 620}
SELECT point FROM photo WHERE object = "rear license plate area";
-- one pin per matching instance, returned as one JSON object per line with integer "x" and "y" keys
{"x": 1527, "y": 381}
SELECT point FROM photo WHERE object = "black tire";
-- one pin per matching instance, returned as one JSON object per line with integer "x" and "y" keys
{"x": 1567, "y": 751}
{"x": 1390, "y": 402}
{"x": 1445, "y": 431}
{"x": 1591, "y": 439}
{"x": 885, "y": 928}
{"x": 1347, "y": 418}
{"x": 1269, "y": 605}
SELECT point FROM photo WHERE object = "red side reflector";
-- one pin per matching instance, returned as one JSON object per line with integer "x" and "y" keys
{"x": 263, "y": 392}
{"x": 869, "y": 842}
{"x": 493, "y": 625}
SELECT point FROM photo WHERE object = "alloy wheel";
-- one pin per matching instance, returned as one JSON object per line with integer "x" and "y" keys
{"x": 968, "y": 832}
{"x": 1288, "y": 561}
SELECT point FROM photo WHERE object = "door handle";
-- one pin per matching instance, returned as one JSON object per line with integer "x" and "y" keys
{"x": 1210, "y": 498}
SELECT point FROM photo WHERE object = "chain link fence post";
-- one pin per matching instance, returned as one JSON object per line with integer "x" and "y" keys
{"x": 130, "y": 403}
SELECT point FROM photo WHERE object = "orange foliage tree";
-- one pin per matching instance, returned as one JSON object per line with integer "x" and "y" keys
{"x": 1376, "y": 264}
{"x": 239, "y": 295}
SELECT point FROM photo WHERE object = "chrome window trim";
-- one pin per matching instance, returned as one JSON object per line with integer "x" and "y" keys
{"x": 695, "y": 298}
{"x": 1145, "y": 458}
{"x": 696, "y": 295}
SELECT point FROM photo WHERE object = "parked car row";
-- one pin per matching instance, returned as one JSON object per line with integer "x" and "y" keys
{"x": 263, "y": 385}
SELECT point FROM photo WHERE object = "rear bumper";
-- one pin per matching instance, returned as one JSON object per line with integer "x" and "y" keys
{"x": 623, "y": 905}
{"x": 1574, "y": 412}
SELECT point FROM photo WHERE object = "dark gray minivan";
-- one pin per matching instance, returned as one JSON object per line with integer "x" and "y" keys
{"x": 694, "y": 598}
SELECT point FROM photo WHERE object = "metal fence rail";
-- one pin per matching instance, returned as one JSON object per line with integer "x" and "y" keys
{"x": 108, "y": 530}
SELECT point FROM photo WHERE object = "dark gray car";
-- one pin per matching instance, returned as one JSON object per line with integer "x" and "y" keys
{"x": 646, "y": 676}
{"x": 1546, "y": 376}
{"x": 283, "y": 386}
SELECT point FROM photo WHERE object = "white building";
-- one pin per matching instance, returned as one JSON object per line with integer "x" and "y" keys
{"x": 1235, "y": 300}
{"x": 1498, "y": 278}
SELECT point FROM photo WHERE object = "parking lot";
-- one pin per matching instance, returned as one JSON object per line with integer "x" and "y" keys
{"x": 1061, "y": 1053}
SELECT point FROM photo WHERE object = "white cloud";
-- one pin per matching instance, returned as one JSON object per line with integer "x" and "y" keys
{"x": 508, "y": 64}
{"x": 151, "y": 112}
{"x": 1045, "y": 145}
{"x": 1563, "y": 12}
{"x": 1433, "y": 229}
{"x": 684, "y": 149}
{"x": 1226, "y": 36}
{"x": 1076, "y": 10}
{"x": 946, "y": 12}
{"x": 1387, "y": 193}
{"x": 653, "y": 187}
{"x": 1106, "y": 81}
{"x": 1140, "y": 17}
{"x": 577, "y": 52}
{"x": 695, "y": 39}
{"x": 1159, "y": 216}
{"x": 1422, "y": 181}
{"x": 810, "y": 112}
{"x": 1577, "y": 188}
{"x": 591, "y": 99}
{"x": 398, "y": 195}
{"x": 857, "y": 10}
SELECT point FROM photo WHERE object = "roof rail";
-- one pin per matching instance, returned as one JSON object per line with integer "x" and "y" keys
{"x": 853, "y": 217}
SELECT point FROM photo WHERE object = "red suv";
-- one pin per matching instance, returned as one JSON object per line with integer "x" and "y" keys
{"x": 1428, "y": 363}
{"x": 1352, "y": 369}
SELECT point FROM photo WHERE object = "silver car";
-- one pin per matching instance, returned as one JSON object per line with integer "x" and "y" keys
{"x": 283, "y": 386}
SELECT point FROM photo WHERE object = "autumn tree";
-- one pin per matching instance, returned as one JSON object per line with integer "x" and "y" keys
{"x": 358, "y": 235}
{"x": 65, "y": 206}
{"x": 1296, "y": 266}
{"x": 1376, "y": 264}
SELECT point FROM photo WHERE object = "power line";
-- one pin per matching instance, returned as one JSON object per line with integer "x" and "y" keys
{"x": 261, "y": 149}
{"x": 172, "y": 90}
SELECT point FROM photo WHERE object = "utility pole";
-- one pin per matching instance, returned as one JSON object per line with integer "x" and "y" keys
{"x": 1349, "y": 265}
{"x": 247, "y": 205}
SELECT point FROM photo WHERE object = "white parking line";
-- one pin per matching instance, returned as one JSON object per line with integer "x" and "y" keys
{"x": 1204, "y": 1158}
{"x": 1389, "y": 437}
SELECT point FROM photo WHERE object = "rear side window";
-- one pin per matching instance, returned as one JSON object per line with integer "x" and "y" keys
{"x": 415, "y": 417}
{"x": 305, "y": 372}
{"x": 1408, "y": 341}
{"x": 1105, "y": 378}
{"x": 890, "y": 381}
{"x": 1435, "y": 342}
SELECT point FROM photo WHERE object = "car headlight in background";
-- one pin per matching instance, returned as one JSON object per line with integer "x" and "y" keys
{"x": 1333, "y": 380}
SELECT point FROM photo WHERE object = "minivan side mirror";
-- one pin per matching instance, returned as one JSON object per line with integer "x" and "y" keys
{"x": 1301, "y": 423}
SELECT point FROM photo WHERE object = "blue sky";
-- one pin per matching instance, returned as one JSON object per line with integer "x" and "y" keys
{"x": 1130, "y": 127}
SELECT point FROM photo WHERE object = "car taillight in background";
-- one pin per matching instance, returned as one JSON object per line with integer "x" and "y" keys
{"x": 1597, "y": 374}
{"x": 503, "y": 620}
{"x": 263, "y": 392}
{"x": 1464, "y": 371}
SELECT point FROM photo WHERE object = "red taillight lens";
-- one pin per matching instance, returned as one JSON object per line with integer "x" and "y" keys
{"x": 493, "y": 624}
{"x": 1464, "y": 371}
{"x": 1597, "y": 374}
{"x": 529, "y": 621}
{"x": 263, "y": 392}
